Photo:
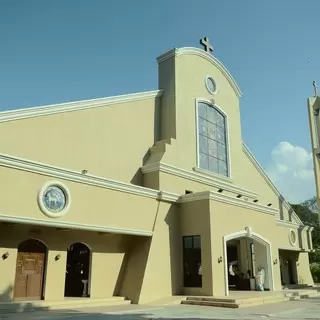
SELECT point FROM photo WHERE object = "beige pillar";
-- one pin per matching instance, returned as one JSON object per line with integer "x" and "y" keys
{"x": 314, "y": 123}
{"x": 310, "y": 237}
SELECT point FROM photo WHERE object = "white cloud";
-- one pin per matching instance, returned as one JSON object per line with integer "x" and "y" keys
{"x": 291, "y": 170}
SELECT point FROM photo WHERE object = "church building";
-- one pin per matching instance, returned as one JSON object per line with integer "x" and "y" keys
{"x": 143, "y": 196}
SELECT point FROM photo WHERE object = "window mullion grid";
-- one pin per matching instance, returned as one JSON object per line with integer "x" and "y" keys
{"x": 218, "y": 143}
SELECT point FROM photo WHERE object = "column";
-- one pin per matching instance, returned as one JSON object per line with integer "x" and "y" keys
{"x": 310, "y": 237}
{"x": 314, "y": 123}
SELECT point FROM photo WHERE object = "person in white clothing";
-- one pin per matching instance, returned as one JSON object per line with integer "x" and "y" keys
{"x": 260, "y": 277}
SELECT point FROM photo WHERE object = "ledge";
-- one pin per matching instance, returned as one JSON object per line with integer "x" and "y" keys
{"x": 209, "y": 180}
{"x": 213, "y": 175}
{"x": 210, "y": 195}
{"x": 289, "y": 224}
{"x": 74, "y": 226}
{"x": 75, "y": 106}
{"x": 70, "y": 175}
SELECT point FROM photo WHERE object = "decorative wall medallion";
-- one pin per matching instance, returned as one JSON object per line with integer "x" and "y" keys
{"x": 211, "y": 85}
{"x": 54, "y": 199}
{"x": 293, "y": 237}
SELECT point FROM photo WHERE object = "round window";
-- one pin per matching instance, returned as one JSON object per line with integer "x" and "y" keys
{"x": 293, "y": 237}
{"x": 54, "y": 199}
{"x": 211, "y": 85}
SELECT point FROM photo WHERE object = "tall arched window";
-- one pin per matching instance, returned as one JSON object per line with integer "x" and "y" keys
{"x": 212, "y": 139}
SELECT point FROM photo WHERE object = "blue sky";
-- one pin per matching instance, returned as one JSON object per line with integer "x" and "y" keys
{"x": 57, "y": 51}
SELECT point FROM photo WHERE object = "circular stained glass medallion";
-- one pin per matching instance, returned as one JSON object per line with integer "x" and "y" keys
{"x": 54, "y": 199}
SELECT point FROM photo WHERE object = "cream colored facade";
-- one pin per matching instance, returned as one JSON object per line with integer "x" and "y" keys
{"x": 314, "y": 125}
{"x": 130, "y": 172}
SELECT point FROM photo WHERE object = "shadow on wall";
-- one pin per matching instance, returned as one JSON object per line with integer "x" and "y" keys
{"x": 132, "y": 271}
{"x": 137, "y": 179}
{"x": 173, "y": 221}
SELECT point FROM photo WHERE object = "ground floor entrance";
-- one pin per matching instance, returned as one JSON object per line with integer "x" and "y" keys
{"x": 288, "y": 267}
{"x": 247, "y": 262}
{"x": 240, "y": 265}
{"x": 78, "y": 271}
{"x": 30, "y": 268}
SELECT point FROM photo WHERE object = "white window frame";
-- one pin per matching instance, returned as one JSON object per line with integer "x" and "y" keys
{"x": 213, "y": 105}
{"x": 215, "y": 83}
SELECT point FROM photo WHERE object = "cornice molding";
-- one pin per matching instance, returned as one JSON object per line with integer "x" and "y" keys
{"x": 213, "y": 175}
{"x": 257, "y": 165}
{"x": 290, "y": 248}
{"x": 71, "y": 225}
{"x": 211, "y": 195}
{"x": 66, "y": 174}
{"x": 203, "y": 54}
{"x": 289, "y": 224}
{"x": 75, "y": 106}
{"x": 198, "y": 177}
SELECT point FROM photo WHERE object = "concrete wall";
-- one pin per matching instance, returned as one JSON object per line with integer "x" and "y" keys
{"x": 99, "y": 140}
{"x": 108, "y": 253}
{"x": 89, "y": 205}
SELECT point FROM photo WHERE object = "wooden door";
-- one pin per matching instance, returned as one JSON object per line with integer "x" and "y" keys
{"x": 29, "y": 276}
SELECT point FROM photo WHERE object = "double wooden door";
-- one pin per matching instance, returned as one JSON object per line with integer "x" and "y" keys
{"x": 29, "y": 276}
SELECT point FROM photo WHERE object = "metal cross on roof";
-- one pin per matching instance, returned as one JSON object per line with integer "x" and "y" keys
{"x": 206, "y": 44}
{"x": 315, "y": 88}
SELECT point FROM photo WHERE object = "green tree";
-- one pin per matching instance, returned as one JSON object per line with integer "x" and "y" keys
{"x": 311, "y": 219}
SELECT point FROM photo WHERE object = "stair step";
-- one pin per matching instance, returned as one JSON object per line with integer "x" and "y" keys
{"x": 235, "y": 303}
{"x": 212, "y": 299}
{"x": 211, "y": 303}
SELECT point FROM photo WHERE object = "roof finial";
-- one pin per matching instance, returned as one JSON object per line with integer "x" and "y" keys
{"x": 315, "y": 88}
{"x": 206, "y": 44}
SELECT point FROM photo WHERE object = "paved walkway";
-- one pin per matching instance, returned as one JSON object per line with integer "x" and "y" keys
{"x": 302, "y": 310}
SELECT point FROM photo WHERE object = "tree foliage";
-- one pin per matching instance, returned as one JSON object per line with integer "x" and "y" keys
{"x": 310, "y": 218}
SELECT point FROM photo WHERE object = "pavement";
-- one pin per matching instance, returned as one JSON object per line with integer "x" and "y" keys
{"x": 302, "y": 310}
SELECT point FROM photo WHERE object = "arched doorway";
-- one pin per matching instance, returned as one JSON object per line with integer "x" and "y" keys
{"x": 78, "y": 271}
{"x": 30, "y": 269}
{"x": 245, "y": 252}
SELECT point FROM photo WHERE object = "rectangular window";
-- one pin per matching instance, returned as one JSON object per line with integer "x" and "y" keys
{"x": 192, "y": 265}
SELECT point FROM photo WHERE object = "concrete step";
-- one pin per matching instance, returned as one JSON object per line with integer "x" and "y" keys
{"x": 72, "y": 303}
{"x": 221, "y": 304}
{"x": 297, "y": 286}
{"x": 225, "y": 302}
{"x": 302, "y": 294}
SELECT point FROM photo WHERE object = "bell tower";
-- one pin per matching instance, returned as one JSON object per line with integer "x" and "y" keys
{"x": 314, "y": 123}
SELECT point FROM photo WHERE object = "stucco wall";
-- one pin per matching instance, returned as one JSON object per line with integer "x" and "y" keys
{"x": 107, "y": 258}
{"x": 89, "y": 205}
{"x": 196, "y": 220}
{"x": 99, "y": 140}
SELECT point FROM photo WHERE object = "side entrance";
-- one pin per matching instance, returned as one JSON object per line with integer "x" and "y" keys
{"x": 30, "y": 270}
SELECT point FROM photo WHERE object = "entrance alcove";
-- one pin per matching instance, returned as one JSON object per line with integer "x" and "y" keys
{"x": 288, "y": 267}
{"x": 244, "y": 253}
{"x": 78, "y": 267}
